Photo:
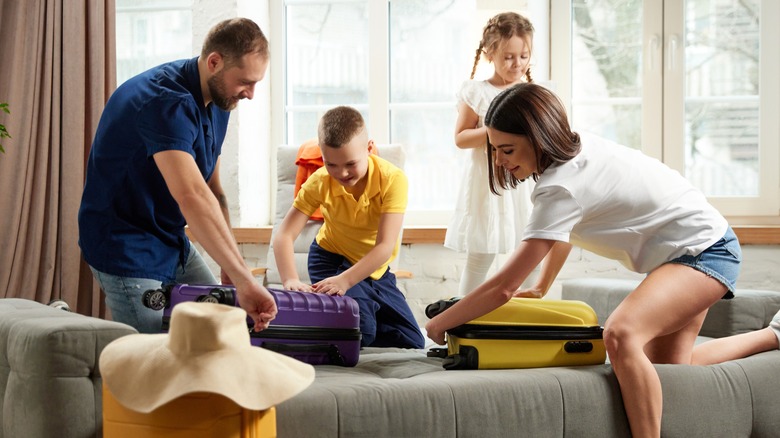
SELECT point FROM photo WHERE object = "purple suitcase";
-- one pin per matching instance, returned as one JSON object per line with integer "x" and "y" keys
{"x": 314, "y": 328}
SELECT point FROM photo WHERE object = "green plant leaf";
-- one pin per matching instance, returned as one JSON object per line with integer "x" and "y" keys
{"x": 3, "y": 131}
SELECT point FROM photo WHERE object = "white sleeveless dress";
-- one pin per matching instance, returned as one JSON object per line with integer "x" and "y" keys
{"x": 483, "y": 222}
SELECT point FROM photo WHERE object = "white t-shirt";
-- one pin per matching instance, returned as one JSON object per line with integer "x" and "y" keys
{"x": 621, "y": 204}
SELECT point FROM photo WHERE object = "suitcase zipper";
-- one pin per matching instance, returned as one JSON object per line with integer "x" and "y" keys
{"x": 476, "y": 331}
{"x": 308, "y": 333}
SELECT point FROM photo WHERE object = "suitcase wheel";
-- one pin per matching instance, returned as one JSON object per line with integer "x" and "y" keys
{"x": 60, "y": 304}
{"x": 466, "y": 359}
{"x": 155, "y": 299}
{"x": 223, "y": 295}
{"x": 207, "y": 299}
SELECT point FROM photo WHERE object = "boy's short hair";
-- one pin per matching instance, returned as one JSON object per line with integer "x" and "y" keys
{"x": 339, "y": 125}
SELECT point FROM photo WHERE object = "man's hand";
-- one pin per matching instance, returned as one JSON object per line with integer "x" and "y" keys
{"x": 332, "y": 286}
{"x": 258, "y": 303}
{"x": 224, "y": 277}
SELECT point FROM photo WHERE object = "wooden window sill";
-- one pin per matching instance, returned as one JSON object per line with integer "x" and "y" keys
{"x": 748, "y": 235}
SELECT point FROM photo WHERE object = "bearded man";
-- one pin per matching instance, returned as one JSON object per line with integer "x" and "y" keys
{"x": 154, "y": 168}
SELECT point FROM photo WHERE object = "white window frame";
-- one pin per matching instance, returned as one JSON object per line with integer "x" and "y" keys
{"x": 663, "y": 97}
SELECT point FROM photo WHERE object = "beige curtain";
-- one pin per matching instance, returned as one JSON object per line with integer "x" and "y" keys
{"x": 57, "y": 69}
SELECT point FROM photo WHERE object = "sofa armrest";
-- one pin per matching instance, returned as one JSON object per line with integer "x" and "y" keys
{"x": 50, "y": 382}
{"x": 749, "y": 309}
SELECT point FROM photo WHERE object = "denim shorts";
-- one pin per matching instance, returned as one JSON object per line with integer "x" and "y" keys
{"x": 720, "y": 261}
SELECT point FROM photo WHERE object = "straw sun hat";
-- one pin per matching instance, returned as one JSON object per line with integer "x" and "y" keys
{"x": 206, "y": 350}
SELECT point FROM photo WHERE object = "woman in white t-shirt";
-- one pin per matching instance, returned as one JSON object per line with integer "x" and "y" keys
{"x": 623, "y": 205}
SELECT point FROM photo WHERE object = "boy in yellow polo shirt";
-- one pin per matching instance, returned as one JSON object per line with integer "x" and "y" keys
{"x": 362, "y": 198}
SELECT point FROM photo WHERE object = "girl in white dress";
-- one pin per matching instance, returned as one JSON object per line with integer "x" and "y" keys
{"x": 623, "y": 205}
{"x": 484, "y": 225}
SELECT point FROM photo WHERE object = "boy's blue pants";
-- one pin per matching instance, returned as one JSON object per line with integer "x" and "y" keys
{"x": 385, "y": 318}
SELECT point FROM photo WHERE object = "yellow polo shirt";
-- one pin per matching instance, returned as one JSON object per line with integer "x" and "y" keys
{"x": 351, "y": 225}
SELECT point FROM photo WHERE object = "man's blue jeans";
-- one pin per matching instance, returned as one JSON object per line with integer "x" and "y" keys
{"x": 123, "y": 294}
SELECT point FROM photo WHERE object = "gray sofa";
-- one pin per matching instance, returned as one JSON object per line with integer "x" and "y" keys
{"x": 50, "y": 384}
{"x": 403, "y": 393}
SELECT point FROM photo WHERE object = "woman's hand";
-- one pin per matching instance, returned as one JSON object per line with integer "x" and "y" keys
{"x": 434, "y": 333}
{"x": 533, "y": 292}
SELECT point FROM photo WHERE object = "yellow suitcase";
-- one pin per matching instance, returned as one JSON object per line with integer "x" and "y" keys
{"x": 524, "y": 333}
{"x": 198, "y": 415}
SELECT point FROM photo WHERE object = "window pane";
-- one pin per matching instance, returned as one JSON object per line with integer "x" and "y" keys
{"x": 427, "y": 37}
{"x": 149, "y": 33}
{"x": 721, "y": 96}
{"x": 430, "y": 56}
{"x": 607, "y": 60}
{"x": 327, "y": 54}
{"x": 432, "y": 160}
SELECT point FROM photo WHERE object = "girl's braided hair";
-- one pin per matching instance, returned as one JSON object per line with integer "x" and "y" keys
{"x": 502, "y": 27}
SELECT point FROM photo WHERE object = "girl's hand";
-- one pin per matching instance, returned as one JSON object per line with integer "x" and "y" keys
{"x": 533, "y": 292}
{"x": 434, "y": 333}
{"x": 296, "y": 285}
{"x": 331, "y": 286}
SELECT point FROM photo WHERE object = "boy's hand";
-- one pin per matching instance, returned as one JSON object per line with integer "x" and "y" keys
{"x": 331, "y": 286}
{"x": 296, "y": 285}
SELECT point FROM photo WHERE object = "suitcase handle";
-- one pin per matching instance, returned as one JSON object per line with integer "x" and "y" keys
{"x": 332, "y": 351}
{"x": 440, "y": 306}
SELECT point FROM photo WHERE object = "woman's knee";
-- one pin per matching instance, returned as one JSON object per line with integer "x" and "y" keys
{"x": 619, "y": 337}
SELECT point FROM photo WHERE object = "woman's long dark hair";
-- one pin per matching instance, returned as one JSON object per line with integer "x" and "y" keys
{"x": 533, "y": 111}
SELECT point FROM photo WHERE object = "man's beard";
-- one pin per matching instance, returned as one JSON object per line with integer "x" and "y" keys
{"x": 218, "y": 96}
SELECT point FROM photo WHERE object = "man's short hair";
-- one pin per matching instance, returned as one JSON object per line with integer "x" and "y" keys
{"x": 233, "y": 38}
{"x": 338, "y": 126}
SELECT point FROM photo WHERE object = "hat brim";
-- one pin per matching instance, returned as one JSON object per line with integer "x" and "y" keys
{"x": 143, "y": 374}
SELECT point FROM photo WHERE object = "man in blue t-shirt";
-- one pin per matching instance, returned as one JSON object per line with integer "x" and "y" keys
{"x": 154, "y": 168}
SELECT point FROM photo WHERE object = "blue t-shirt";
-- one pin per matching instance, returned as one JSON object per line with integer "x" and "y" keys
{"x": 129, "y": 224}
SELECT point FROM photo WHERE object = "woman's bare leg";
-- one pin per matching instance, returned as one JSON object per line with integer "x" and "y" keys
{"x": 669, "y": 305}
{"x": 734, "y": 347}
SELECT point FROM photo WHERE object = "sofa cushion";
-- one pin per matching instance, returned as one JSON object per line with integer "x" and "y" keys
{"x": 49, "y": 378}
{"x": 400, "y": 393}
{"x": 749, "y": 309}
